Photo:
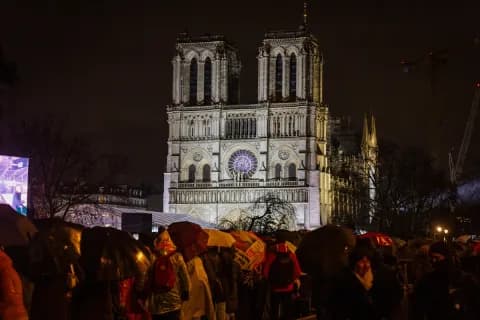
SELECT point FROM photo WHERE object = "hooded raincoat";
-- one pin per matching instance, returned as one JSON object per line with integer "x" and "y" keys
{"x": 170, "y": 301}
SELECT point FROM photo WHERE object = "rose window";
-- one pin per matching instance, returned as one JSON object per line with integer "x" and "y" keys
{"x": 242, "y": 164}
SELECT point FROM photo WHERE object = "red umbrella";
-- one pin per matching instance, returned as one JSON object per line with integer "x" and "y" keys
{"x": 189, "y": 238}
{"x": 379, "y": 239}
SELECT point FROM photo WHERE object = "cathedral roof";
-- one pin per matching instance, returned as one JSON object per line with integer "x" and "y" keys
{"x": 185, "y": 37}
{"x": 301, "y": 32}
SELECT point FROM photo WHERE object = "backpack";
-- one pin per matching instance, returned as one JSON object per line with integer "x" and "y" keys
{"x": 164, "y": 276}
{"x": 282, "y": 270}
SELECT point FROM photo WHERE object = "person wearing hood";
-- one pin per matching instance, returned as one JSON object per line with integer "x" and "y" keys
{"x": 431, "y": 294}
{"x": 351, "y": 297}
{"x": 169, "y": 283}
{"x": 11, "y": 293}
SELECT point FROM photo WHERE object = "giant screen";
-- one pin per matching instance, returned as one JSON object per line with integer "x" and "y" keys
{"x": 14, "y": 182}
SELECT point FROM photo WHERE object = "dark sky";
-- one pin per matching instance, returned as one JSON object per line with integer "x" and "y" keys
{"x": 105, "y": 65}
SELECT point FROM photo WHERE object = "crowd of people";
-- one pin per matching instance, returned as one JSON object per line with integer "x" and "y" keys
{"x": 418, "y": 280}
{"x": 192, "y": 280}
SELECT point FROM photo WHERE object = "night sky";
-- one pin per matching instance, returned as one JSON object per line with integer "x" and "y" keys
{"x": 104, "y": 66}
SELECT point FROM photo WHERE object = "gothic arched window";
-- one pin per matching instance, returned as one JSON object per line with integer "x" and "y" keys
{"x": 278, "y": 171}
{"x": 207, "y": 84}
{"x": 206, "y": 173}
{"x": 292, "y": 172}
{"x": 293, "y": 76}
{"x": 191, "y": 173}
{"x": 228, "y": 125}
{"x": 290, "y": 125}
{"x": 193, "y": 81}
{"x": 192, "y": 128}
{"x": 209, "y": 130}
{"x": 278, "y": 77}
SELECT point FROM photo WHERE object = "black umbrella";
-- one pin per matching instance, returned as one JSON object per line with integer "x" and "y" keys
{"x": 56, "y": 248}
{"x": 324, "y": 251}
{"x": 15, "y": 229}
{"x": 285, "y": 235}
{"x": 109, "y": 254}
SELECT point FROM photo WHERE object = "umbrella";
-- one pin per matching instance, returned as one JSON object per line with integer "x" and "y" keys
{"x": 109, "y": 254}
{"x": 217, "y": 238}
{"x": 56, "y": 247}
{"x": 464, "y": 238}
{"x": 399, "y": 242}
{"x": 324, "y": 251}
{"x": 291, "y": 236}
{"x": 250, "y": 251}
{"x": 189, "y": 238}
{"x": 379, "y": 239}
{"x": 15, "y": 229}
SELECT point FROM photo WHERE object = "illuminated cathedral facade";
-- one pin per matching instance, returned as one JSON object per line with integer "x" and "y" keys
{"x": 223, "y": 155}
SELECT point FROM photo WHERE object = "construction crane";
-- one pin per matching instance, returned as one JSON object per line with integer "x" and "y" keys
{"x": 456, "y": 167}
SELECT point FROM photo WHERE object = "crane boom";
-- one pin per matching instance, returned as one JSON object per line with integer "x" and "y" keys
{"x": 467, "y": 135}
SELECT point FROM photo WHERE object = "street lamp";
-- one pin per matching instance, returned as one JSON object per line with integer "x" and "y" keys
{"x": 445, "y": 231}
{"x": 439, "y": 229}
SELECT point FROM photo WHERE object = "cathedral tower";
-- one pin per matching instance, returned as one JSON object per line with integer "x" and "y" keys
{"x": 290, "y": 67}
{"x": 206, "y": 70}
{"x": 369, "y": 148}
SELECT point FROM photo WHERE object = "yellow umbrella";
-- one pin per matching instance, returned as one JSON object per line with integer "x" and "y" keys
{"x": 217, "y": 238}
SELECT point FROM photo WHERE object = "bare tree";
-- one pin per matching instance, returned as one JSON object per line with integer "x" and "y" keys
{"x": 63, "y": 169}
{"x": 407, "y": 186}
{"x": 268, "y": 214}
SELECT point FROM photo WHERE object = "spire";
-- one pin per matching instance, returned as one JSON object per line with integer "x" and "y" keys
{"x": 373, "y": 133}
{"x": 366, "y": 132}
{"x": 305, "y": 13}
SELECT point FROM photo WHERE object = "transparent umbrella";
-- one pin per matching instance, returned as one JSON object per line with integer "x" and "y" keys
{"x": 109, "y": 254}
{"x": 15, "y": 229}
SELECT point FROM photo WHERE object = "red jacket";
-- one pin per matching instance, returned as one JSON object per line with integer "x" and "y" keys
{"x": 11, "y": 294}
{"x": 129, "y": 301}
{"x": 270, "y": 257}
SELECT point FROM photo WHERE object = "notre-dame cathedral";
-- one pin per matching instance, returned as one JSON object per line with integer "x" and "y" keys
{"x": 224, "y": 155}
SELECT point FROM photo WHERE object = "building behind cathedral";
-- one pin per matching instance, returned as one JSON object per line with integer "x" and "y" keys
{"x": 223, "y": 155}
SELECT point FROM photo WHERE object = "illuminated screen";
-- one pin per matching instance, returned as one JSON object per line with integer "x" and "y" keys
{"x": 14, "y": 182}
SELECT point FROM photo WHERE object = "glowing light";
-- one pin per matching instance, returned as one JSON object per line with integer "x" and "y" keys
{"x": 445, "y": 231}
{"x": 140, "y": 256}
{"x": 439, "y": 229}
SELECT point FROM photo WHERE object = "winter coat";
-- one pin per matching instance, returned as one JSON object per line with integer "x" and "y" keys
{"x": 350, "y": 300}
{"x": 47, "y": 291}
{"x": 200, "y": 302}
{"x": 217, "y": 275}
{"x": 129, "y": 301}
{"x": 95, "y": 301}
{"x": 231, "y": 283}
{"x": 11, "y": 294}
{"x": 297, "y": 272}
{"x": 387, "y": 292}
